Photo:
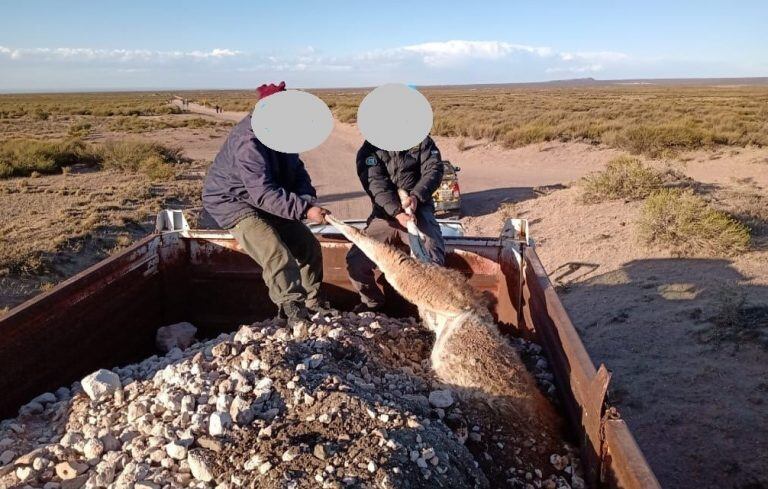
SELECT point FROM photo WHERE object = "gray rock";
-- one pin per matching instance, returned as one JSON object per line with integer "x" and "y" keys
{"x": 179, "y": 335}
{"x": 7, "y": 457}
{"x": 441, "y": 398}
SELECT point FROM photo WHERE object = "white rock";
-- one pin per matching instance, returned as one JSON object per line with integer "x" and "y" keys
{"x": 264, "y": 468}
{"x": 199, "y": 467}
{"x": 93, "y": 448}
{"x": 290, "y": 454}
{"x": 179, "y": 335}
{"x": 100, "y": 384}
{"x": 441, "y": 398}
{"x": 219, "y": 423}
{"x": 24, "y": 473}
{"x": 176, "y": 451}
{"x": 253, "y": 463}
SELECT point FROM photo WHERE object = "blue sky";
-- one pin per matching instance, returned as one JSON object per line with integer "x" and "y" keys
{"x": 78, "y": 44}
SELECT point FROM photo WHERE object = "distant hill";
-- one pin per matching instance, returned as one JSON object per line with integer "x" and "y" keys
{"x": 587, "y": 82}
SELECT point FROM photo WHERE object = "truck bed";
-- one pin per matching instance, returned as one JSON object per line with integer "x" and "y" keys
{"x": 108, "y": 314}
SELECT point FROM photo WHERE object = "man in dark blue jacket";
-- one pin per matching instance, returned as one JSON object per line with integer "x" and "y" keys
{"x": 261, "y": 196}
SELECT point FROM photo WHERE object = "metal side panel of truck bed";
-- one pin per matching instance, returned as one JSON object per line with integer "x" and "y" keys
{"x": 108, "y": 314}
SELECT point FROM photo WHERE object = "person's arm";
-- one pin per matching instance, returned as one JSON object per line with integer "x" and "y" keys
{"x": 263, "y": 192}
{"x": 431, "y": 172}
{"x": 380, "y": 186}
{"x": 303, "y": 183}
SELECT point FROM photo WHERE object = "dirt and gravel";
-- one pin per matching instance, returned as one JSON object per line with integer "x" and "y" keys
{"x": 343, "y": 401}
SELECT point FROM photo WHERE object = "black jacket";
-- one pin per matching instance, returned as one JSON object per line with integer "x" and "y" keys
{"x": 418, "y": 171}
{"x": 246, "y": 176}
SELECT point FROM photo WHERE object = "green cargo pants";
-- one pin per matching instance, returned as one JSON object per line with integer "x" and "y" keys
{"x": 289, "y": 255}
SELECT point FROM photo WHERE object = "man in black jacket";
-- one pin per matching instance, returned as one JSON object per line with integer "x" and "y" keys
{"x": 261, "y": 196}
{"x": 418, "y": 171}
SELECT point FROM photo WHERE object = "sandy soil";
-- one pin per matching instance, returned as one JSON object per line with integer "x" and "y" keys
{"x": 698, "y": 410}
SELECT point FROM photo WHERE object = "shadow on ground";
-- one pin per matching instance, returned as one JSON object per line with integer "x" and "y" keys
{"x": 475, "y": 204}
{"x": 687, "y": 340}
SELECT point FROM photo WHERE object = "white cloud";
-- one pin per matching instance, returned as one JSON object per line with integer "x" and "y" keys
{"x": 447, "y": 52}
{"x": 593, "y": 68}
{"x": 451, "y": 61}
{"x": 116, "y": 55}
{"x": 605, "y": 56}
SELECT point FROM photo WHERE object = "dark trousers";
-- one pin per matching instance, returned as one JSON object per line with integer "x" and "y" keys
{"x": 289, "y": 255}
{"x": 361, "y": 268}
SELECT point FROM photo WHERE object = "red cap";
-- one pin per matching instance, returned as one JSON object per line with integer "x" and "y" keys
{"x": 267, "y": 90}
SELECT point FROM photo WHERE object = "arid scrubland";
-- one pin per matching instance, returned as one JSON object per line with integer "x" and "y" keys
{"x": 83, "y": 175}
{"x": 651, "y": 120}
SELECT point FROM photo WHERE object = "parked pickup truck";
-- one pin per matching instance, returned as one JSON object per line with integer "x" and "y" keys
{"x": 108, "y": 314}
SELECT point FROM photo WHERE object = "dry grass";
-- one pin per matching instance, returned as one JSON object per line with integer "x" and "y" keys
{"x": 689, "y": 226}
{"x": 22, "y": 157}
{"x": 136, "y": 124}
{"x": 26, "y": 157}
{"x": 651, "y": 120}
{"x": 624, "y": 177}
{"x": 152, "y": 159}
{"x": 42, "y": 106}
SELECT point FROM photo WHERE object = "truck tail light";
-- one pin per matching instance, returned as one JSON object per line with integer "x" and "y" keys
{"x": 456, "y": 191}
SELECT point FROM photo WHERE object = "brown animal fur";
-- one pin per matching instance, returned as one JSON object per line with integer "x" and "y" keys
{"x": 469, "y": 351}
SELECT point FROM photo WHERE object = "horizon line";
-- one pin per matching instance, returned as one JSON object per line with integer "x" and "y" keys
{"x": 585, "y": 81}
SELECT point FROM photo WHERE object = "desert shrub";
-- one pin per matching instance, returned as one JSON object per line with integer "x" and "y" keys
{"x": 21, "y": 157}
{"x": 345, "y": 113}
{"x": 685, "y": 223}
{"x": 79, "y": 130}
{"x": 663, "y": 140}
{"x": 151, "y": 158}
{"x": 131, "y": 124}
{"x": 624, "y": 177}
{"x": 157, "y": 168}
{"x": 528, "y": 134}
{"x": 136, "y": 124}
{"x": 40, "y": 115}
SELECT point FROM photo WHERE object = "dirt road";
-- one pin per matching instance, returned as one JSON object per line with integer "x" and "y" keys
{"x": 483, "y": 168}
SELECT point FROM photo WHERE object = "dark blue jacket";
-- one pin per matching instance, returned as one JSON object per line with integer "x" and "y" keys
{"x": 418, "y": 171}
{"x": 246, "y": 176}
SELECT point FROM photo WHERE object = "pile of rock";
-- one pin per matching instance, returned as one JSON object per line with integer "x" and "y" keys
{"x": 343, "y": 401}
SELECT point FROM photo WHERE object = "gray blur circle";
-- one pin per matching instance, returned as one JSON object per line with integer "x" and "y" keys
{"x": 291, "y": 121}
{"x": 394, "y": 117}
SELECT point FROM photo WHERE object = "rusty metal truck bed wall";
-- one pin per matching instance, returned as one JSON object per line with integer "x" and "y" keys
{"x": 612, "y": 457}
{"x": 103, "y": 316}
